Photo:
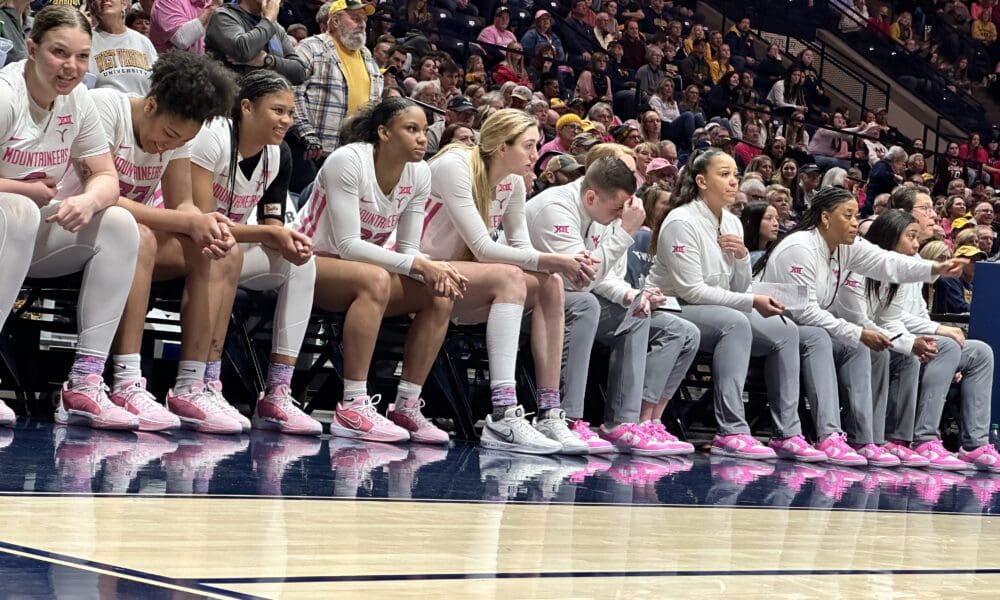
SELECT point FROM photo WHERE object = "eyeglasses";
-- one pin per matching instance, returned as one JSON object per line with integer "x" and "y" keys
{"x": 926, "y": 208}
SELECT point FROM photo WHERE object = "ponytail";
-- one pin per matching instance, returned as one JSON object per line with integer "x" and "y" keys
{"x": 363, "y": 125}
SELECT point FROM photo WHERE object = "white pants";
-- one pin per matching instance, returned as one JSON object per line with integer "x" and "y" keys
{"x": 19, "y": 218}
{"x": 265, "y": 269}
{"x": 105, "y": 250}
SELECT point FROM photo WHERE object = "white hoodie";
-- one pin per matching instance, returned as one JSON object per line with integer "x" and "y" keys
{"x": 558, "y": 223}
{"x": 853, "y": 304}
{"x": 690, "y": 264}
{"x": 804, "y": 258}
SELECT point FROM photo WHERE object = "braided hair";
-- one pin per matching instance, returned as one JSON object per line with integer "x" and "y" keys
{"x": 253, "y": 86}
{"x": 826, "y": 200}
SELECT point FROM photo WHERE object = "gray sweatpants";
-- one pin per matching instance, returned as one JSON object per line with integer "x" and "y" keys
{"x": 589, "y": 318}
{"x": 673, "y": 346}
{"x": 733, "y": 337}
{"x": 854, "y": 378}
{"x": 917, "y": 417}
{"x": 819, "y": 378}
{"x": 892, "y": 370}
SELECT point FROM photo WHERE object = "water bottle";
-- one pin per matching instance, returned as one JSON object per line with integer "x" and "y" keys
{"x": 995, "y": 435}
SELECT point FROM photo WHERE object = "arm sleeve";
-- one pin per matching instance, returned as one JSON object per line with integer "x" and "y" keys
{"x": 742, "y": 274}
{"x": 227, "y": 33}
{"x": 301, "y": 125}
{"x": 613, "y": 286}
{"x": 684, "y": 273}
{"x": 411, "y": 222}
{"x": 289, "y": 64}
{"x": 272, "y": 201}
{"x": 457, "y": 195}
{"x": 342, "y": 178}
{"x": 779, "y": 269}
{"x": 188, "y": 34}
{"x": 918, "y": 321}
{"x": 91, "y": 140}
{"x": 872, "y": 261}
{"x": 889, "y": 319}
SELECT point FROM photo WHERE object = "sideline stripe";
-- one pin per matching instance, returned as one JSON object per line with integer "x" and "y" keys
{"x": 591, "y": 574}
{"x": 190, "y": 586}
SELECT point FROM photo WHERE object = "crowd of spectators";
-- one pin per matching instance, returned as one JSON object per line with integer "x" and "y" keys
{"x": 648, "y": 75}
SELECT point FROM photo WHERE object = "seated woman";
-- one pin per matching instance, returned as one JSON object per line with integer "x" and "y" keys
{"x": 760, "y": 228}
{"x": 473, "y": 193}
{"x": 150, "y": 139}
{"x": 370, "y": 188}
{"x": 701, "y": 259}
{"x": 240, "y": 167}
{"x": 48, "y": 123}
{"x": 819, "y": 253}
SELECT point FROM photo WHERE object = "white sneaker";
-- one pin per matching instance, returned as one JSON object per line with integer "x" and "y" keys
{"x": 513, "y": 434}
{"x": 553, "y": 426}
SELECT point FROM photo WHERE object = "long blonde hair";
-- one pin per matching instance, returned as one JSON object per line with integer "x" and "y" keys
{"x": 502, "y": 127}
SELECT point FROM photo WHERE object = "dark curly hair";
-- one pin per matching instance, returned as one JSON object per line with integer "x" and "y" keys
{"x": 192, "y": 86}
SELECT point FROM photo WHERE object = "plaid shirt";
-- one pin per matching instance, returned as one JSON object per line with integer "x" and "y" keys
{"x": 321, "y": 101}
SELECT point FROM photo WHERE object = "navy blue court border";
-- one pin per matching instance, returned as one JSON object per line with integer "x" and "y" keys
{"x": 152, "y": 579}
{"x": 590, "y": 575}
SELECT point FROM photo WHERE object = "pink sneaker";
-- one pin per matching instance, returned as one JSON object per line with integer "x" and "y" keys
{"x": 658, "y": 432}
{"x": 7, "y": 416}
{"x": 359, "y": 420}
{"x": 411, "y": 419}
{"x": 595, "y": 444}
{"x": 983, "y": 458}
{"x": 199, "y": 411}
{"x": 277, "y": 411}
{"x": 906, "y": 456}
{"x": 741, "y": 445}
{"x": 214, "y": 389}
{"x": 794, "y": 476}
{"x": 739, "y": 472}
{"x": 839, "y": 452}
{"x": 87, "y": 404}
{"x": 796, "y": 448}
{"x": 939, "y": 458}
{"x": 935, "y": 484}
{"x": 877, "y": 456}
{"x": 629, "y": 438}
{"x": 637, "y": 471}
{"x": 836, "y": 481}
{"x": 153, "y": 416}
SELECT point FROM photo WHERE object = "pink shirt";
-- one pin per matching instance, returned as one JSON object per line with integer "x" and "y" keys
{"x": 492, "y": 35}
{"x": 166, "y": 18}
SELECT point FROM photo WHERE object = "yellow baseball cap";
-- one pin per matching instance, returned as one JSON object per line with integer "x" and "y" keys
{"x": 340, "y": 5}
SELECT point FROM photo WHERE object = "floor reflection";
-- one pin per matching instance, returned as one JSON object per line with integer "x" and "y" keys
{"x": 43, "y": 458}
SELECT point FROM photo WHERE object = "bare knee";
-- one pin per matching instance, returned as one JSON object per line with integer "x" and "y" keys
{"x": 376, "y": 285}
{"x": 553, "y": 292}
{"x": 147, "y": 245}
{"x": 509, "y": 284}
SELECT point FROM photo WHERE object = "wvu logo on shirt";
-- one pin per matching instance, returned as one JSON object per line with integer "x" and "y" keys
{"x": 596, "y": 239}
{"x": 852, "y": 283}
{"x": 65, "y": 120}
{"x": 796, "y": 270}
{"x": 405, "y": 189}
{"x": 561, "y": 229}
{"x": 504, "y": 187}
{"x": 678, "y": 250}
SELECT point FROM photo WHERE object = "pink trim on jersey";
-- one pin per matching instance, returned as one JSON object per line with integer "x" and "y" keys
{"x": 311, "y": 222}
{"x": 430, "y": 213}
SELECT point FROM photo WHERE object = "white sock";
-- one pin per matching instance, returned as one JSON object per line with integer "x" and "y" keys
{"x": 407, "y": 391}
{"x": 189, "y": 372}
{"x": 127, "y": 368}
{"x": 354, "y": 389}
{"x": 503, "y": 332}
